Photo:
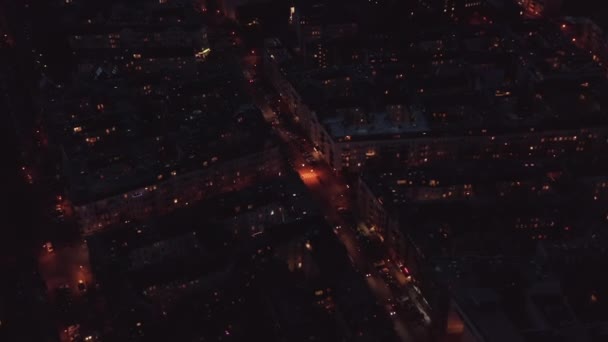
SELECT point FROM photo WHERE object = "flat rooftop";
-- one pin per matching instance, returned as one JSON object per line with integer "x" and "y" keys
{"x": 458, "y": 80}
{"x": 124, "y": 126}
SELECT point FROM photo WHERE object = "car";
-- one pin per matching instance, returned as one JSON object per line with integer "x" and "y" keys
{"x": 404, "y": 300}
{"x": 368, "y": 275}
{"x": 379, "y": 263}
{"x": 82, "y": 287}
{"x": 391, "y": 308}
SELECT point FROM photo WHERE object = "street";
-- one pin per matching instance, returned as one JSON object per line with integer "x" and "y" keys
{"x": 336, "y": 200}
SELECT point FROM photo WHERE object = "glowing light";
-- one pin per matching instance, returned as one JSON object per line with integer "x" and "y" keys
{"x": 203, "y": 53}
{"x": 593, "y": 298}
{"x": 292, "y": 11}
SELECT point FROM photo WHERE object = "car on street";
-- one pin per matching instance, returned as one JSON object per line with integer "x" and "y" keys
{"x": 403, "y": 300}
{"x": 82, "y": 287}
{"x": 49, "y": 247}
{"x": 379, "y": 263}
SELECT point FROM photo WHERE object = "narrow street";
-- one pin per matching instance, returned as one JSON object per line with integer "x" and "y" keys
{"x": 337, "y": 200}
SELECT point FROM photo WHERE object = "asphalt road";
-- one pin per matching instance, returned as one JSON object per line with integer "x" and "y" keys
{"x": 336, "y": 200}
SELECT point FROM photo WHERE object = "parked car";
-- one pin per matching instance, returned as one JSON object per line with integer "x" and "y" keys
{"x": 82, "y": 287}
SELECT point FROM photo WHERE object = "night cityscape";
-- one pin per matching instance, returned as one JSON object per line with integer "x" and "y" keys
{"x": 304, "y": 170}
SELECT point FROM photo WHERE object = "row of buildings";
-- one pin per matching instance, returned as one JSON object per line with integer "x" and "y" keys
{"x": 478, "y": 143}
{"x": 195, "y": 226}
{"x": 257, "y": 262}
{"x": 433, "y": 95}
{"x": 479, "y": 150}
{"x": 151, "y": 119}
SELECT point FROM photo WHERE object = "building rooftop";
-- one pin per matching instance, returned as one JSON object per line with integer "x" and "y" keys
{"x": 503, "y": 299}
{"x": 389, "y": 122}
{"x": 457, "y": 80}
{"x": 487, "y": 206}
{"x": 85, "y": 16}
{"x": 171, "y": 123}
{"x": 184, "y": 227}
{"x": 231, "y": 271}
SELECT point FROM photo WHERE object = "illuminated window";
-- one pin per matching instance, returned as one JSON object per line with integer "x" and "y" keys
{"x": 92, "y": 140}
